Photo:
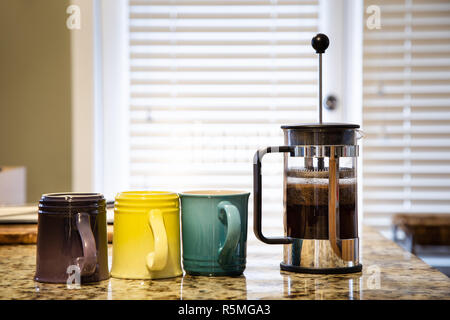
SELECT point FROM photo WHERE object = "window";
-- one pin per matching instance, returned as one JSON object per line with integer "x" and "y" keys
{"x": 210, "y": 83}
{"x": 406, "y": 113}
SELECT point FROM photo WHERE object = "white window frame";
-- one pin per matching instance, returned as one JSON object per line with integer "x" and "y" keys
{"x": 115, "y": 93}
{"x": 99, "y": 52}
{"x": 85, "y": 91}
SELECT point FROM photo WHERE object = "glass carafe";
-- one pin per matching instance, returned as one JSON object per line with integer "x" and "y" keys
{"x": 306, "y": 190}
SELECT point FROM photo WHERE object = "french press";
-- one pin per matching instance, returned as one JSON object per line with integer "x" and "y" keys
{"x": 320, "y": 193}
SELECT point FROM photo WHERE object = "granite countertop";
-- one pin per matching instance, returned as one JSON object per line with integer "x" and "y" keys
{"x": 401, "y": 276}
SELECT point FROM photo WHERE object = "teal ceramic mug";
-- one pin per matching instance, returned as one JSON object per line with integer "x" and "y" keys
{"x": 214, "y": 232}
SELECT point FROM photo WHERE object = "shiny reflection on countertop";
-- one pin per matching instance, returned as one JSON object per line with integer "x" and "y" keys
{"x": 119, "y": 289}
{"x": 320, "y": 287}
{"x": 184, "y": 288}
{"x": 201, "y": 287}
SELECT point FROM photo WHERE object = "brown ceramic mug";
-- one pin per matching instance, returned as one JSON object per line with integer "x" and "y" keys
{"x": 72, "y": 238}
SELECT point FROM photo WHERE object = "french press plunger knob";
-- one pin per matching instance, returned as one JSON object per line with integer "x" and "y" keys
{"x": 320, "y": 43}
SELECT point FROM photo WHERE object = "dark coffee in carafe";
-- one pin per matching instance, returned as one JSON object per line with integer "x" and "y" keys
{"x": 307, "y": 204}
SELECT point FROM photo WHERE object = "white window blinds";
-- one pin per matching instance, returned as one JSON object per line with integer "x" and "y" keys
{"x": 211, "y": 82}
{"x": 406, "y": 111}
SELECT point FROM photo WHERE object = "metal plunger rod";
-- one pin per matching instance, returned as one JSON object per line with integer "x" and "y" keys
{"x": 320, "y": 43}
{"x": 320, "y": 88}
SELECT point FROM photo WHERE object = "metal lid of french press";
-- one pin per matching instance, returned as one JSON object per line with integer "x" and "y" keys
{"x": 321, "y": 126}
{"x": 320, "y": 133}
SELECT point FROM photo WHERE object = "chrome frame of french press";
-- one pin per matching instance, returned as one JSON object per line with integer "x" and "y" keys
{"x": 332, "y": 255}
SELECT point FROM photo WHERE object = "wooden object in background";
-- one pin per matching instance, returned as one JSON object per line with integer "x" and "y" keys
{"x": 27, "y": 233}
{"x": 423, "y": 229}
{"x": 18, "y": 234}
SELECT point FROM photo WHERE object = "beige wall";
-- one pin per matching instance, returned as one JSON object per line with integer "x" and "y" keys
{"x": 35, "y": 93}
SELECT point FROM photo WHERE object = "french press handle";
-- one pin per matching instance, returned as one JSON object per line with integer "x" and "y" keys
{"x": 257, "y": 194}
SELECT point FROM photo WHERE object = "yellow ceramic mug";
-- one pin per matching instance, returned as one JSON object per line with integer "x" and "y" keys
{"x": 146, "y": 239}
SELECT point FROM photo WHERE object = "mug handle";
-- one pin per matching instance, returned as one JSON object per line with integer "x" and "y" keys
{"x": 88, "y": 262}
{"x": 157, "y": 259}
{"x": 229, "y": 215}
